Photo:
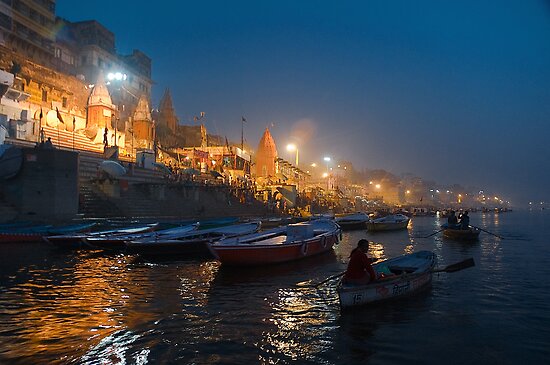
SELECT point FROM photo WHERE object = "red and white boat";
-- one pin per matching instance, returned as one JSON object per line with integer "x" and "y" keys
{"x": 282, "y": 244}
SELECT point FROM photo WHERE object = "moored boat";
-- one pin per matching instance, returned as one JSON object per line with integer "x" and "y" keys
{"x": 76, "y": 240}
{"x": 352, "y": 221}
{"x": 277, "y": 245}
{"x": 388, "y": 223}
{"x": 190, "y": 243}
{"x": 37, "y": 233}
{"x": 118, "y": 242}
{"x": 407, "y": 274}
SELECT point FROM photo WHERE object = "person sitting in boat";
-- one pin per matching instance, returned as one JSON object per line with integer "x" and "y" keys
{"x": 465, "y": 221}
{"x": 452, "y": 220}
{"x": 359, "y": 269}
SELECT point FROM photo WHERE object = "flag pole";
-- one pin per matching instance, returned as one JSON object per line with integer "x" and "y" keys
{"x": 242, "y": 133}
{"x": 74, "y": 125}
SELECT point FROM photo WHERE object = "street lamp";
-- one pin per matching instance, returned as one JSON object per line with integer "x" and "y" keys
{"x": 117, "y": 77}
{"x": 292, "y": 147}
{"x": 327, "y": 160}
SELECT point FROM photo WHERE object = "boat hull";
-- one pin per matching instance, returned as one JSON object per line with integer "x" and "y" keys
{"x": 376, "y": 227}
{"x": 258, "y": 254}
{"x": 352, "y": 225}
{"x": 21, "y": 237}
{"x": 392, "y": 287}
{"x": 462, "y": 234}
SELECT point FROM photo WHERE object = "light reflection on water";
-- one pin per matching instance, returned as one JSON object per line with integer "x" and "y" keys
{"x": 88, "y": 307}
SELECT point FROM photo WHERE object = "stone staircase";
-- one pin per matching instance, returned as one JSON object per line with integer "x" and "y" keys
{"x": 64, "y": 139}
{"x": 93, "y": 203}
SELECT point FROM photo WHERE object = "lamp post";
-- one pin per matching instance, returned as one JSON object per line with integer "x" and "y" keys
{"x": 327, "y": 160}
{"x": 118, "y": 77}
{"x": 291, "y": 148}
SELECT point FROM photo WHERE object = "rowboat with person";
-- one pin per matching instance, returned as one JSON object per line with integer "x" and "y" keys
{"x": 398, "y": 277}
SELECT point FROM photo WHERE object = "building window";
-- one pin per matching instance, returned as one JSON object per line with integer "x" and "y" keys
{"x": 44, "y": 95}
{"x": 83, "y": 60}
{"x": 64, "y": 102}
{"x": 58, "y": 53}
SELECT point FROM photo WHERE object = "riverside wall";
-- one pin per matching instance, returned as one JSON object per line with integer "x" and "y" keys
{"x": 45, "y": 189}
{"x": 55, "y": 185}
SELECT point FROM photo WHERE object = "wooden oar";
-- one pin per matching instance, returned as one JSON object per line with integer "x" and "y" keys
{"x": 430, "y": 234}
{"x": 458, "y": 266}
{"x": 306, "y": 284}
{"x": 496, "y": 235}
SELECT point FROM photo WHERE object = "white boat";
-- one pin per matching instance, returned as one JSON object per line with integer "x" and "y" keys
{"x": 352, "y": 221}
{"x": 76, "y": 240}
{"x": 118, "y": 242}
{"x": 388, "y": 223}
{"x": 407, "y": 274}
{"x": 189, "y": 243}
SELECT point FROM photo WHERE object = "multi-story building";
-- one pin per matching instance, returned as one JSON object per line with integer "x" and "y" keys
{"x": 52, "y": 76}
{"x": 27, "y": 28}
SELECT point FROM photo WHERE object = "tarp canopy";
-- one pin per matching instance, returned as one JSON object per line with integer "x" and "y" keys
{"x": 162, "y": 167}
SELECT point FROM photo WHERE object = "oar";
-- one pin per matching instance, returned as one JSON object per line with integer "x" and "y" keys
{"x": 430, "y": 234}
{"x": 303, "y": 283}
{"x": 458, "y": 266}
{"x": 496, "y": 235}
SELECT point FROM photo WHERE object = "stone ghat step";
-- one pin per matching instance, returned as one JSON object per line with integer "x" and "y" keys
{"x": 62, "y": 138}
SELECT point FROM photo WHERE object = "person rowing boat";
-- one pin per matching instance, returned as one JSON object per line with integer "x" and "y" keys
{"x": 360, "y": 271}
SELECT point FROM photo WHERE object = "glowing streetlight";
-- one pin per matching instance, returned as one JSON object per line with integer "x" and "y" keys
{"x": 325, "y": 174}
{"x": 314, "y": 165}
{"x": 377, "y": 186}
{"x": 327, "y": 160}
{"x": 292, "y": 147}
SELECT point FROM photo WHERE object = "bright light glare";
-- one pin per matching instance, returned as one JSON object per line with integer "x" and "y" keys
{"x": 377, "y": 186}
{"x": 327, "y": 159}
{"x": 325, "y": 174}
{"x": 314, "y": 165}
{"x": 291, "y": 147}
{"x": 116, "y": 76}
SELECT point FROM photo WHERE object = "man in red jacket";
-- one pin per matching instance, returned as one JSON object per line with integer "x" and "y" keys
{"x": 359, "y": 269}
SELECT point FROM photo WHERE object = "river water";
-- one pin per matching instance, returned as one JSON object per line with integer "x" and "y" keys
{"x": 87, "y": 307}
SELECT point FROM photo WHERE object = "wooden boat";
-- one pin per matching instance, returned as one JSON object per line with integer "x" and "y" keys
{"x": 189, "y": 243}
{"x": 352, "y": 221}
{"x": 276, "y": 222}
{"x": 470, "y": 234}
{"x": 118, "y": 242}
{"x": 388, "y": 223}
{"x": 37, "y": 233}
{"x": 76, "y": 240}
{"x": 411, "y": 273}
{"x": 277, "y": 245}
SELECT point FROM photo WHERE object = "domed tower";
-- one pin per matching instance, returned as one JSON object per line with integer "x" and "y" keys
{"x": 100, "y": 106}
{"x": 266, "y": 155}
{"x": 143, "y": 123}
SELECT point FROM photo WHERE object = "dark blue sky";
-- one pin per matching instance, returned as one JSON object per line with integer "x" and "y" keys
{"x": 458, "y": 92}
